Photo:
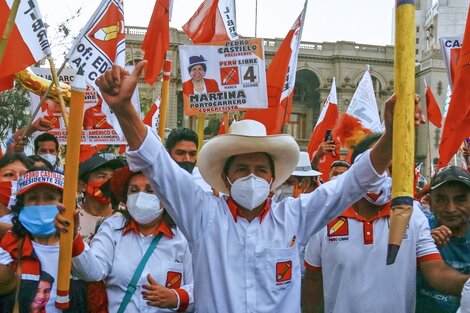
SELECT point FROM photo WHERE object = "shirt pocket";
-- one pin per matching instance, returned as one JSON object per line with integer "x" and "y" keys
{"x": 172, "y": 275}
{"x": 281, "y": 267}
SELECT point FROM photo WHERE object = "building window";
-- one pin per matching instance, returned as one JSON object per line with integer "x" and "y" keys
{"x": 417, "y": 29}
{"x": 297, "y": 125}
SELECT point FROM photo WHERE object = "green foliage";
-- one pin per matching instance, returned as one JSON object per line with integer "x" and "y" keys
{"x": 14, "y": 111}
{"x": 212, "y": 127}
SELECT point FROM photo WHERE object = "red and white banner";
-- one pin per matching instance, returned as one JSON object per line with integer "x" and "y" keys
{"x": 280, "y": 80}
{"x": 326, "y": 121}
{"x": 153, "y": 116}
{"x": 213, "y": 21}
{"x": 96, "y": 129}
{"x": 27, "y": 43}
{"x": 100, "y": 44}
{"x": 450, "y": 49}
{"x": 364, "y": 105}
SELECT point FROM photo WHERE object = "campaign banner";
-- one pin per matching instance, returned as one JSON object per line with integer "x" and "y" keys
{"x": 96, "y": 129}
{"x": 450, "y": 48}
{"x": 224, "y": 76}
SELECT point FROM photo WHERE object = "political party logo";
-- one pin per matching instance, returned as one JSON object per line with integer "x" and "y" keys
{"x": 338, "y": 228}
{"x": 229, "y": 75}
{"x": 173, "y": 280}
{"x": 283, "y": 272}
{"x": 108, "y": 30}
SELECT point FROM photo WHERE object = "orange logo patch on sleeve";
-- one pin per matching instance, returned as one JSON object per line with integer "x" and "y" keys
{"x": 173, "y": 280}
{"x": 283, "y": 271}
{"x": 338, "y": 227}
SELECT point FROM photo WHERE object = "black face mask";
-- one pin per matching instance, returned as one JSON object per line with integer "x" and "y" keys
{"x": 187, "y": 166}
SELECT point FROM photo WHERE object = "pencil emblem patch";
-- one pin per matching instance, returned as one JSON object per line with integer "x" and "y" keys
{"x": 283, "y": 271}
{"x": 173, "y": 280}
{"x": 338, "y": 227}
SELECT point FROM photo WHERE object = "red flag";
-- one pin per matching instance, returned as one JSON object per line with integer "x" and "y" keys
{"x": 153, "y": 115}
{"x": 213, "y": 21}
{"x": 27, "y": 43}
{"x": 434, "y": 113}
{"x": 326, "y": 120}
{"x": 280, "y": 80}
{"x": 457, "y": 121}
{"x": 157, "y": 40}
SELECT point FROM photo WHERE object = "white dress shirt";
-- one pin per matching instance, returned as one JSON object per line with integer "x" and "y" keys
{"x": 242, "y": 266}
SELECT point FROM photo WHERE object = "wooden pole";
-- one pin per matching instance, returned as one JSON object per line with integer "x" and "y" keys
{"x": 226, "y": 122}
{"x": 201, "y": 118}
{"x": 8, "y": 28}
{"x": 74, "y": 133}
{"x": 403, "y": 126}
{"x": 55, "y": 79}
{"x": 164, "y": 99}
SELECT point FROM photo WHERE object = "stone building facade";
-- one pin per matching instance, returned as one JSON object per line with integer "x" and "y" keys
{"x": 319, "y": 62}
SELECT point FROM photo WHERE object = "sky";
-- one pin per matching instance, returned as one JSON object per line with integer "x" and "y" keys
{"x": 362, "y": 21}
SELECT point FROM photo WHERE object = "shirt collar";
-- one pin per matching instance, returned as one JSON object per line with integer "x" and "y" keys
{"x": 163, "y": 228}
{"x": 236, "y": 212}
{"x": 351, "y": 213}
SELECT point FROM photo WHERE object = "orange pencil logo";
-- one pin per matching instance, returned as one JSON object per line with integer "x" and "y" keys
{"x": 338, "y": 227}
{"x": 283, "y": 271}
{"x": 173, "y": 280}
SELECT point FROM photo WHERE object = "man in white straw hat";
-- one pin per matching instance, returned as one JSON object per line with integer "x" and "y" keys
{"x": 245, "y": 248}
{"x": 303, "y": 179}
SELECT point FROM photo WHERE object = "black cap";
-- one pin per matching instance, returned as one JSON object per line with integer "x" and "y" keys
{"x": 450, "y": 173}
{"x": 100, "y": 160}
{"x": 340, "y": 163}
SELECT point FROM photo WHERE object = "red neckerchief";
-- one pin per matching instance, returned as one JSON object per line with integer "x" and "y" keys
{"x": 233, "y": 207}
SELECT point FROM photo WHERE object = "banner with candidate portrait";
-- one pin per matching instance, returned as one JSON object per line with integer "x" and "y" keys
{"x": 223, "y": 76}
{"x": 96, "y": 129}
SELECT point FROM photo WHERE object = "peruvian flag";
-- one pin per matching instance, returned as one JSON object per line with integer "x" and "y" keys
{"x": 326, "y": 120}
{"x": 280, "y": 80}
{"x": 364, "y": 106}
{"x": 434, "y": 112}
{"x": 157, "y": 40}
{"x": 213, "y": 21}
{"x": 153, "y": 116}
{"x": 27, "y": 43}
{"x": 457, "y": 121}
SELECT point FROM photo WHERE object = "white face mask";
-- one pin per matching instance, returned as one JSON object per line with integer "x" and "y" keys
{"x": 143, "y": 207}
{"x": 286, "y": 191}
{"x": 51, "y": 158}
{"x": 383, "y": 195}
{"x": 250, "y": 191}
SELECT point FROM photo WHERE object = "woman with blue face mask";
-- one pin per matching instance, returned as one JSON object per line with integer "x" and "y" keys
{"x": 32, "y": 246}
{"x": 141, "y": 255}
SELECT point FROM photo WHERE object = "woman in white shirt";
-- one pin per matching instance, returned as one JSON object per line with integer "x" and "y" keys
{"x": 119, "y": 246}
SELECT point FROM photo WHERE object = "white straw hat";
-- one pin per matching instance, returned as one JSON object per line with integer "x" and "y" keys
{"x": 247, "y": 136}
{"x": 304, "y": 168}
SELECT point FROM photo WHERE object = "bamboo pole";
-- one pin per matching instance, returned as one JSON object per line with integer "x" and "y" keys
{"x": 55, "y": 79}
{"x": 226, "y": 122}
{"x": 201, "y": 118}
{"x": 164, "y": 99}
{"x": 8, "y": 28}
{"x": 72, "y": 158}
{"x": 403, "y": 128}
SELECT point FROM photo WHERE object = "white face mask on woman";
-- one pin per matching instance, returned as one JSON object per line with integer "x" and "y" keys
{"x": 249, "y": 191}
{"x": 143, "y": 207}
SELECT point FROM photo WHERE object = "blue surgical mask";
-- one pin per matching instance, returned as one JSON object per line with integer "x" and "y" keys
{"x": 39, "y": 219}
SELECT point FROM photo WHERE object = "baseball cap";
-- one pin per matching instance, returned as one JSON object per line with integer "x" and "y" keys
{"x": 450, "y": 173}
{"x": 100, "y": 160}
{"x": 35, "y": 178}
{"x": 340, "y": 163}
